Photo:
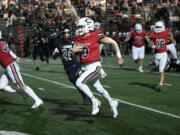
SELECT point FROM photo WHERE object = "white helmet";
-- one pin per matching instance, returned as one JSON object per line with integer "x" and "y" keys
{"x": 138, "y": 28}
{"x": 114, "y": 33}
{"x": 97, "y": 25}
{"x": 107, "y": 33}
{"x": 120, "y": 34}
{"x": 85, "y": 25}
{"x": 159, "y": 27}
{"x": 124, "y": 34}
{"x": 152, "y": 28}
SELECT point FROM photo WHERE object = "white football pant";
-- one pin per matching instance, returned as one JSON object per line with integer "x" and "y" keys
{"x": 172, "y": 49}
{"x": 138, "y": 52}
{"x": 160, "y": 60}
{"x": 90, "y": 75}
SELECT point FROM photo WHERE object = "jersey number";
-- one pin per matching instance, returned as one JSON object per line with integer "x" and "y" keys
{"x": 138, "y": 40}
{"x": 66, "y": 54}
{"x": 161, "y": 43}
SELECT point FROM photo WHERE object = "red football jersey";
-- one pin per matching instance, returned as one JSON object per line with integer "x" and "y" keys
{"x": 5, "y": 57}
{"x": 91, "y": 46}
{"x": 138, "y": 39}
{"x": 161, "y": 40}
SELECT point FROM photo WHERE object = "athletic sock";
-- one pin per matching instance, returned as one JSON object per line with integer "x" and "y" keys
{"x": 31, "y": 93}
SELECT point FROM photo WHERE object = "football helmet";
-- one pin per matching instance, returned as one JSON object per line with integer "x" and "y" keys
{"x": 84, "y": 26}
{"x": 113, "y": 33}
{"x": 152, "y": 28}
{"x": 66, "y": 33}
{"x": 120, "y": 34}
{"x": 107, "y": 33}
{"x": 159, "y": 27}
{"x": 138, "y": 28}
{"x": 97, "y": 25}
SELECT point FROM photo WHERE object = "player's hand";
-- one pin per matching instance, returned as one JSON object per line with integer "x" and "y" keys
{"x": 77, "y": 48}
{"x": 18, "y": 60}
{"x": 120, "y": 62}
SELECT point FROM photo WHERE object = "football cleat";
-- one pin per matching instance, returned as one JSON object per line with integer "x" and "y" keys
{"x": 140, "y": 70}
{"x": 37, "y": 104}
{"x": 159, "y": 88}
{"x": 114, "y": 105}
{"x": 95, "y": 107}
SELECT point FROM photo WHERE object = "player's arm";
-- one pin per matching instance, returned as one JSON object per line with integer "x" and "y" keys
{"x": 152, "y": 45}
{"x": 108, "y": 40}
{"x": 127, "y": 38}
{"x": 55, "y": 53}
{"x": 14, "y": 56}
{"x": 77, "y": 48}
{"x": 172, "y": 39}
{"x": 147, "y": 38}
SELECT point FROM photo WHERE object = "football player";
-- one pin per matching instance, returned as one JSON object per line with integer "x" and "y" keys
{"x": 89, "y": 41}
{"x": 171, "y": 46}
{"x": 138, "y": 50}
{"x": 8, "y": 62}
{"x": 37, "y": 48}
{"x": 71, "y": 65}
{"x": 158, "y": 40}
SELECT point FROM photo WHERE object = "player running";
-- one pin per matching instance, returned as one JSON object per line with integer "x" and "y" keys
{"x": 89, "y": 41}
{"x": 7, "y": 60}
{"x": 71, "y": 65}
{"x": 158, "y": 40}
{"x": 138, "y": 50}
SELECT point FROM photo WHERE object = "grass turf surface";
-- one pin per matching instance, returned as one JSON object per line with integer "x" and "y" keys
{"x": 64, "y": 114}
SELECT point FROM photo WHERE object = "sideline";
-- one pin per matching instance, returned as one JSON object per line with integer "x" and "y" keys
{"x": 121, "y": 101}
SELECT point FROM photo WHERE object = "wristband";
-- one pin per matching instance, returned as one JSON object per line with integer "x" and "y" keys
{"x": 118, "y": 55}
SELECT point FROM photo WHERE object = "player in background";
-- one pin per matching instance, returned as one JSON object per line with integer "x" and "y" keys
{"x": 97, "y": 26}
{"x": 89, "y": 41}
{"x": 71, "y": 65}
{"x": 171, "y": 46}
{"x": 12, "y": 71}
{"x": 37, "y": 47}
{"x": 138, "y": 49}
{"x": 158, "y": 40}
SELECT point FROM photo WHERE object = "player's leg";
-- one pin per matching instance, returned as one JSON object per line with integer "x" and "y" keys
{"x": 113, "y": 103}
{"x": 81, "y": 83}
{"x": 35, "y": 54}
{"x": 135, "y": 54}
{"x": 141, "y": 53}
{"x": 171, "y": 48}
{"x": 162, "y": 64}
{"x": 14, "y": 74}
{"x": 73, "y": 75}
{"x": 4, "y": 84}
{"x": 103, "y": 73}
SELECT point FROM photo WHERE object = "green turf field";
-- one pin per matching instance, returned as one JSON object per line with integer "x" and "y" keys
{"x": 142, "y": 110}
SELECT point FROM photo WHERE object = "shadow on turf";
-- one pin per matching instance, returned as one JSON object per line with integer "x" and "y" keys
{"x": 73, "y": 110}
{"x": 2, "y": 102}
{"x": 153, "y": 87}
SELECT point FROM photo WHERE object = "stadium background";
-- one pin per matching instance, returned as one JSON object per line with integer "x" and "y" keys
{"x": 19, "y": 19}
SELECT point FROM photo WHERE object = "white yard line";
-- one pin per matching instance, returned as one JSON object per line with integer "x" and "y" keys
{"x": 121, "y": 101}
{"x": 166, "y": 73}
